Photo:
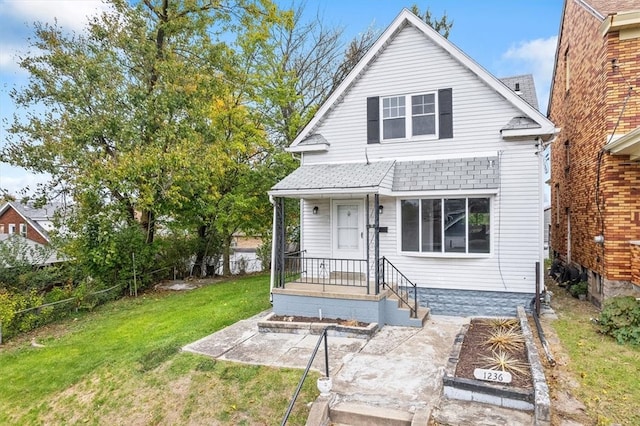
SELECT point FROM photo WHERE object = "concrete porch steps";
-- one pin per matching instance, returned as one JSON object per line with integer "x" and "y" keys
{"x": 352, "y": 414}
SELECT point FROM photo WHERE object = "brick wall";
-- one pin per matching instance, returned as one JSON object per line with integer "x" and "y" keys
{"x": 10, "y": 216}
{"x": 635, "y": 263}
{"x": 601, "y": 191}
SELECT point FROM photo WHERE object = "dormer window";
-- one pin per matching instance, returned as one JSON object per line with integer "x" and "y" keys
{"x": 396, "y": 124}
{"x": 411, "y": 116}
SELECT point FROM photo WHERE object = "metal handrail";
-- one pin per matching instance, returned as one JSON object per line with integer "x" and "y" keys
{"x": 403, "y": 280}
{"x": 326, "y": 271}
{"x": 323, "y": 336}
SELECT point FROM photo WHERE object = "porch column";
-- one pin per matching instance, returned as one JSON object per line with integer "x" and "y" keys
{"x": 279, "y": 243}
{"x": 376, "y": 241}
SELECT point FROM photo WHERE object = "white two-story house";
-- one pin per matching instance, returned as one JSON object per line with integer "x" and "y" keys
{"x": 420, "y": 179}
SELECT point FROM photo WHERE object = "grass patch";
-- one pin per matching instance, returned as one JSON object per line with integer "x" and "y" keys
{"x": 121, "y": 364}
{"x": 607, "y": 372}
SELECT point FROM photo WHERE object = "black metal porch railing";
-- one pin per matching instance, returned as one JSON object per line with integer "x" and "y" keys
{"x": 399, "y": 284}
{"x": 323, "y": 337}
{"x": 325, "y": 271}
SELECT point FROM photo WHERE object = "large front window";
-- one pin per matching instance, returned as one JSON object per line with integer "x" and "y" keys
{"x": 397, "y": 124}
{"x": 446, "y": 225}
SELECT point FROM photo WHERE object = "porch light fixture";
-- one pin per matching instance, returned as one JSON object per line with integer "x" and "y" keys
{"x": 315, "y": 210}
{"x": 380, "y": 209}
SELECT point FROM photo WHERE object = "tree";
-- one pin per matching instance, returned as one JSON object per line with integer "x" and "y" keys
{"x": 121, "y": 115}
{"x": 442, "y": 25}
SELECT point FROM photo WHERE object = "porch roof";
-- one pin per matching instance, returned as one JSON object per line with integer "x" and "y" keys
{"x": 316, "y": 179}
{"x": 389, "y": 177}
{"x": 628, "y": 144}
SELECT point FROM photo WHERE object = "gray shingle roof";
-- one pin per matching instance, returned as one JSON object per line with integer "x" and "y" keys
{"x": 338, "y": 176}
{"x": 424, "y": 175}
{"x": 455, "y": 174}
{"x": 526, "y": 86}
{"x": 520, "y": 123}
{"x": 314, "y": 139}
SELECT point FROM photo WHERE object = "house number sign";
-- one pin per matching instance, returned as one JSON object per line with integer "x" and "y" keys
{"x": 492, "y": 375}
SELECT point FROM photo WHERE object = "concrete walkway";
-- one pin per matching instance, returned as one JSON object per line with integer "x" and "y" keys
{"x": 399, "y": 368}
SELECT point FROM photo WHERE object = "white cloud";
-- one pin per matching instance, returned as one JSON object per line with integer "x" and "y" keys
{"x": 16, "y": 180}
{"x": 71, "y": 14}
{"x": 534, "y": 57}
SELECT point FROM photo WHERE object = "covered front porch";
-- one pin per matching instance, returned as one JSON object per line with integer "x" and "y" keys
{"x": 342, "y": 273}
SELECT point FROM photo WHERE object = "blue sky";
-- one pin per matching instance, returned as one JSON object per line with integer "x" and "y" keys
{"x": 507, "y": 37}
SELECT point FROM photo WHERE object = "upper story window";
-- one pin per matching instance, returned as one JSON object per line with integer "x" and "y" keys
{"x": 396, "y": 124}
{"x": 23, "y": 229}
{"x": 410, "y": 116}
{"x": 12, "y": 228}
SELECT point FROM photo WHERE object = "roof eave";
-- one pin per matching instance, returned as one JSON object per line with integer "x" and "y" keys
{"x": 320, "y": 147}
{"x": 629, "y": 144}
{"x": 546, "y": 133}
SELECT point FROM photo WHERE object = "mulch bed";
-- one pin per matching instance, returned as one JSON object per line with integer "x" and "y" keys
{"x": 472, "y": 352}
{"x": 339, "y": 321}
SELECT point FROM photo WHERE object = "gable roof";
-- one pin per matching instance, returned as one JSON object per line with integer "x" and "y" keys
{"x": 524, "y": 87}
{"x": 32, "y": 214}
{"x": 404, "y": 19}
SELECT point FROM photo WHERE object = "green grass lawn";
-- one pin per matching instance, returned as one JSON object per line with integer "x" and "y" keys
{"x": 121, "y": 364}
{"x": 608, "y": 374}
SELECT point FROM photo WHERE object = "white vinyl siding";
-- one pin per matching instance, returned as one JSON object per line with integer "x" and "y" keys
{"x": 478, "y": 115}
{"x": 478, "y": 111}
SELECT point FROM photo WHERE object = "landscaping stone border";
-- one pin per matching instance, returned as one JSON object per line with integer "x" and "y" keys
{"x": 536, "y": 399}
{"x": 268, "y": 326}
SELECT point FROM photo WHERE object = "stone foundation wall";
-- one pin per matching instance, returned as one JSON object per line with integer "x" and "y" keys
{"x": 472, "y": 303}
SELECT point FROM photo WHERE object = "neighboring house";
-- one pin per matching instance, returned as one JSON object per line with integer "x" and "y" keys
{"x": 595, "y": 180}
{"x": 33, "y": 223}
{"x": 25, "y": 250}
{"x": 420, "y": 169}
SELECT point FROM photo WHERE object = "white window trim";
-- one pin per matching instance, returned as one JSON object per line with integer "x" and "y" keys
{"x": 23, "y": 229}
{"x": 12, "y": 228}
{"x": 445, "y": 254}
{"x": 408, "y": 118}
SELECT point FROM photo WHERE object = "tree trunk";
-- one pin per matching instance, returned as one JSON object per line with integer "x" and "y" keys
{"x": 148, "y": 223}
{"x": 199, "y": 268}
{"x": 226, "y": 255}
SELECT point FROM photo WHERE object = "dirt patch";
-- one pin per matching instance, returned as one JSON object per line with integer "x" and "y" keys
{"x": 474, "y": 353}
{"x": 338, "y": 321}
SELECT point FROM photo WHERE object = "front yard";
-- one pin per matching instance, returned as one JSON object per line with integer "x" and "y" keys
{"x": 121, "y": 364}
{"x": 603, "y": 375}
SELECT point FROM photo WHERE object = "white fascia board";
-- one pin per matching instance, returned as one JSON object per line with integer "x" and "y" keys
{"x": 406, "y": 17}
{"x": 620, "y": 21}
{"x": 308, "y": 148}
{"x": 444, "y": 193}
{"x": 322, "y": 193}
{"x": 628, "y": 144}
{"x": 545, "y": 133}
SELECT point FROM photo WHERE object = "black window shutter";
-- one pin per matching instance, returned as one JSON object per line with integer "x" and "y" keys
{"x": 445, "y": 110}
{"x": 373, "y": 120}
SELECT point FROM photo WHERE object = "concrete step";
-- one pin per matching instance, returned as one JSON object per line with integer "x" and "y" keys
{"x": 347, "y": 413}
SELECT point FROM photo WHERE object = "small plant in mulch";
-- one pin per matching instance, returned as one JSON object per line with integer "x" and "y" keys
{"x": 505, "y": 339}
{"x": 505, "y": 361}
{"x": 495, "y": 344}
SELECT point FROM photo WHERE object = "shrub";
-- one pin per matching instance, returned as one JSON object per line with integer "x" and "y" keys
{"x": 620, "y": 318}
{"x": 578, "y": 289}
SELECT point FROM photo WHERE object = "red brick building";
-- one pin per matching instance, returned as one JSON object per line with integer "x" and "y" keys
{"x": 595, "y": 160}
{"x": 26, "y": 220}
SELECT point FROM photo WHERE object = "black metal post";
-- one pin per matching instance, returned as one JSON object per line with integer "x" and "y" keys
{"x": 367, "y": 243}
{"x": 281, "y": 240}
{"x": 538, "y": 288}
{"x": 326, "y": 354}
{"x": 376, "y": 215}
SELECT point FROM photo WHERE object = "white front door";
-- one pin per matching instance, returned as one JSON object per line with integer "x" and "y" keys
{"x": 348, "y": 229}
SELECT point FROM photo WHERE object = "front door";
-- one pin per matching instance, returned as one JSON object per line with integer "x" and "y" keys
{"x": 348, "y": 229}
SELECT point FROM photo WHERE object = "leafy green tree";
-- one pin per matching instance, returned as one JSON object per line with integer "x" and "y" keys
{"x": 442, "y": 25}
{"x": 123, "y": 116}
